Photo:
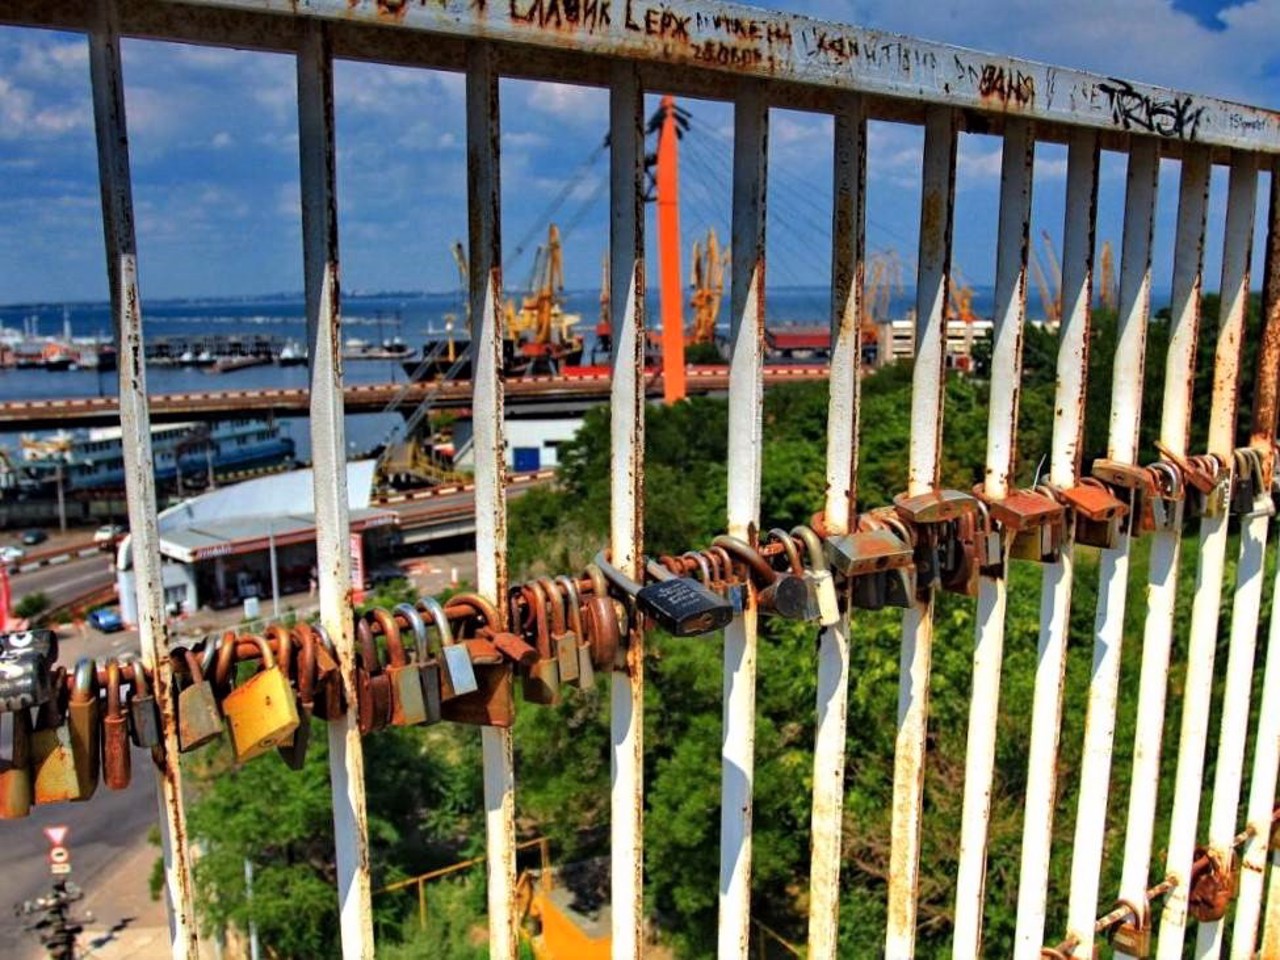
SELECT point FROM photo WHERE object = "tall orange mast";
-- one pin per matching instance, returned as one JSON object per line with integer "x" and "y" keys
{"x": 671, "y": 292}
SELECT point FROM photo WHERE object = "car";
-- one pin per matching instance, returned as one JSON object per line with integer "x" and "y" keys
{"x": 11, "y": 555}
{"x": 107, "y": 534}
{"x": 382, "y": 575}
{"x": 106, "y": 620}
{"x": 34, "y": 536}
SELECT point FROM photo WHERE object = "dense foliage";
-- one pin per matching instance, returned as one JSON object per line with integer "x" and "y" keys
{"x": 424, "y": 789}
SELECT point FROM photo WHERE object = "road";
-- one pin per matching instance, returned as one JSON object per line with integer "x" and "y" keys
{"x": 64, "y": 581}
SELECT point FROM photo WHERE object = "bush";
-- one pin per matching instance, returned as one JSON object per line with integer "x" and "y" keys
{"x": 32, "y": 605}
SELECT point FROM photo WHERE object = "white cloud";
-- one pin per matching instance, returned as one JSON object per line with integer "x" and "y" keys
{"x": 581, "y": 106}
{"x": 221, "y": 140}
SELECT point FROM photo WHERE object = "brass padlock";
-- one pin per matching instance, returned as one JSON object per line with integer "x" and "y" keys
{"x": 540, "y": 682}
{"x": 1132, "y": 935}
{"x": 331, "y": 700}
{"x": 408, "y": 707}
{"x": 564, "y": 643}
{"x": 408, "y": 618}
{"x": 492, "y": 703}
{"x": 263, "y": 711}
{"x": 293, "y": 750}
{"x": 117, "y": 761}
{"x": 1098, "y": 513}
{"x": 582, "y": 646}
{"x": 52, "y": 759}
{"x": 86, "y": 727}
{"x": 16, "y": 787}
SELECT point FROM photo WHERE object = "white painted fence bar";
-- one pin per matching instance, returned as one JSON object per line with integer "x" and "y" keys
{"x": 1055, "y": 598}
{"x": 923, "y": 469}
{"x": 1188, "y": 275}
{"x": 1213, "y": 545}
{"x": 1113, "y": 576}
{"x": 626, "y": 539}
{"x": 848, "y": 265}
{"x": 1247, "y": 603}
{"x": 317, "y": 163}
{"x": 485, "y": 259}
{"x": 1266, "y": 757}
{"x": 758, "y": 60}
{"x": 746, "y": 398}
{"x": 116, "y": 184}
{"x": 988, "y": 655}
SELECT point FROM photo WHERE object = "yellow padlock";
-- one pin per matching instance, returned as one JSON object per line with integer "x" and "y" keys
{"x": 263, "y": 711}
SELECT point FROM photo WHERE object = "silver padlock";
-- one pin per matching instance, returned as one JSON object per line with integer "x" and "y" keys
{"x": 826, "y": 601}
{"x": 454, "y": 658}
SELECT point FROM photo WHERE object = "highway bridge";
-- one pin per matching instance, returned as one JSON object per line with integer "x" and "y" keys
{"x": 562, "y": 394}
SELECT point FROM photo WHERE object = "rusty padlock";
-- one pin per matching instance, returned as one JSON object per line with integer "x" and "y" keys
{"x": 930, "y": 514}
{"x": 782, "y": 593}
{"x": 16, "y": 783}
{"x": 582, "y": 646}
{"x": 540, "y": 681}
{"x": 85, "y": 723}
{"x": 331, "y": 698}
{"x": 1033, "y": 518}
{"x": 199, "y": 720}
{"x": 117, "y": 761}
{"x": 1162, "y": 510}
{"x": 1098, "y": 513}
{"x": 1131, "y": 484}
{"x": 457, "y": 674}
{"x": 1132, "y": 935}
{"x": 373, "y": 686}
{"x": 493, "y": 702}
{"x": 408, "y": 706}
{"x": 564, "y": 642}
{"x": 1212, "y": 885}
{"x": 293, "y": 749}
{"x": 144, "y": 712}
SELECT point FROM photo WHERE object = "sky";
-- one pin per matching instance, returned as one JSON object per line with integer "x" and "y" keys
{"x": 213, "y": 139}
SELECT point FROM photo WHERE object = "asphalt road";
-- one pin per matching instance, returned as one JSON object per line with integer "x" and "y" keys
{"x": 64, "y": 581}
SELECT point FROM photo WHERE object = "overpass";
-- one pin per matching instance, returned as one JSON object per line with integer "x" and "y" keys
{"x": 570, "y": 393}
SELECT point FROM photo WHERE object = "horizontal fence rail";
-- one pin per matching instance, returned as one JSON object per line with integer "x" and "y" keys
{"x": 1203, "y": 486}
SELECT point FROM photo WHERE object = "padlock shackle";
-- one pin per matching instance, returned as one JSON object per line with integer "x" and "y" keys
{"x": 536, "y": 602}
{"x": 114, "y": 708}
{"x": 478, "y": 607}
{"x": 813, "y": 546}
{"x": 284, "y": 645}
{"x": 390, "y": 630}
{"x": 555, "y": 604}
{"x": 598, "y": 585}
{"x": 619, "y": 579}
{"x": 573, "y": 604}
{"x": 761, "y": 571}
{"x": 724, "y": 565}
{"x": 306, "y": 669}
{"x": 226, "y": 658}
{"x": 366, "y": 648}
{"x": 704, "y": 567}
{"x": 658, "y": 570}
{"x": 778, "y": 535}
{"x": 440, "y": 619}
{"x": 413, "y": 620}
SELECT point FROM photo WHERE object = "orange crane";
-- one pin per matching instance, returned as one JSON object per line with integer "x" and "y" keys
{"x": 708, "y": 287}
{"x": 1051, "y": 301}
{"x": 961, "y": 308}
{"x": 668, "y": 196}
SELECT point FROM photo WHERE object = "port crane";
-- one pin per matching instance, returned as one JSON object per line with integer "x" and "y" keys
{"x": 708, "y": 262}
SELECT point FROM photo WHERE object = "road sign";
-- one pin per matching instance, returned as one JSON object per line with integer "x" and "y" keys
{"x": 57, "y": 835}
{"x": 59, "y": 855}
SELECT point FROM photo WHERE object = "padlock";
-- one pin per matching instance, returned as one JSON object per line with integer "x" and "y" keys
{"x": 1098, "y": 513}
{"x": 1212, "y": 885}
{"x": 863, "y": 552}
{"x": 373, "y": 687}
{"x": 826, "y": 600}
{"x": 331, "y": 698}
{"x": 540, "y": 681}
{"x": 681, "y": 606}
{"x": 1249, "y": 495}
{"x": 24, "y": 681}
{"x": 1131, "y": 484}
{"x": 728, "y": 584}
{"x": 582, "y": 646}
{"x": 958, "y": 551}
{"x": 493, "y": 703}
{"x": 408, "y": 618}
{"x": 263, "y": 711}
{"x": 930, "y": 514}
{"x": 1132, "y": 935}
{"x": 564, "y": 643}
{"x": 1214, "y": 502}
{"x": 85, "y": 723}
{"x": 457, "y": 674}
{"x": 199, "y": 720}
{"x": 16, "y": 787}
{"x": 408, "y": 706}
{"x": 784, "y": 594}
{"x": 1032, "y": 518}
{"x": 293, "y": 750}
{"x": 117, "y": 761}
{"x": 53, "y": 765}
{"x": 1163, "y": 508}
{"x": 797, "y": 569}
{"x": 144, "y": 713}
{"x": 602, "y": 632}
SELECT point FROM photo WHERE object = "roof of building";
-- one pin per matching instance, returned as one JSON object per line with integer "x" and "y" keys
{"x": 235, "y": 535}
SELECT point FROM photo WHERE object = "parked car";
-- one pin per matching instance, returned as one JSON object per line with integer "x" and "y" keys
{"x": 382, "y": 575}
{"x": 10, "y": 555}
{"x": 106, "y": 620}
{"x": 34, "y": 536}
{"x": 107, "y": 534}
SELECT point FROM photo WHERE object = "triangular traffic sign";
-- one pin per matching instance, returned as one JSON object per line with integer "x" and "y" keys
{"x": 56, "y": 834}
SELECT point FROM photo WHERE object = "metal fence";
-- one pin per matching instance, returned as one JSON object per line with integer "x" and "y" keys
{"x": 758, "y": 62}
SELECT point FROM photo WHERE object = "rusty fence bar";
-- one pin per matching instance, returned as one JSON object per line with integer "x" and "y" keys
{"x": 924, "y": 468}
{"x": 988, "y": 655}
{"x": 1175, "y": 423}
{"x": 848, "y": 271}
{"x": 626, "y": 538}
{"x": 116, "y": 185}
{"x": 760, "y": 61}
{"x": 485, "y": 250}
{"x": 746, "y": 398}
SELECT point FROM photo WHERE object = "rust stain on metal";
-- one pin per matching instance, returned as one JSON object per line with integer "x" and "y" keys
{"x": 1268, "y": 373}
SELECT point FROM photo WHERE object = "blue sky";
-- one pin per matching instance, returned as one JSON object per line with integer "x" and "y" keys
{"x": 214, "y": 147}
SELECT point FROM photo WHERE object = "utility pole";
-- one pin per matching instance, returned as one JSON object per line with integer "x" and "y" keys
{"x": 62, "y": 504}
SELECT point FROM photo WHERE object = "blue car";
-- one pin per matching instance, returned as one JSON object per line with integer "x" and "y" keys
{"x": 105, "y": 620}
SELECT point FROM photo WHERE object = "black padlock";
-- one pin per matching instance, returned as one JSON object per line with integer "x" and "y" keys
{"x": 682, "y": 607}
